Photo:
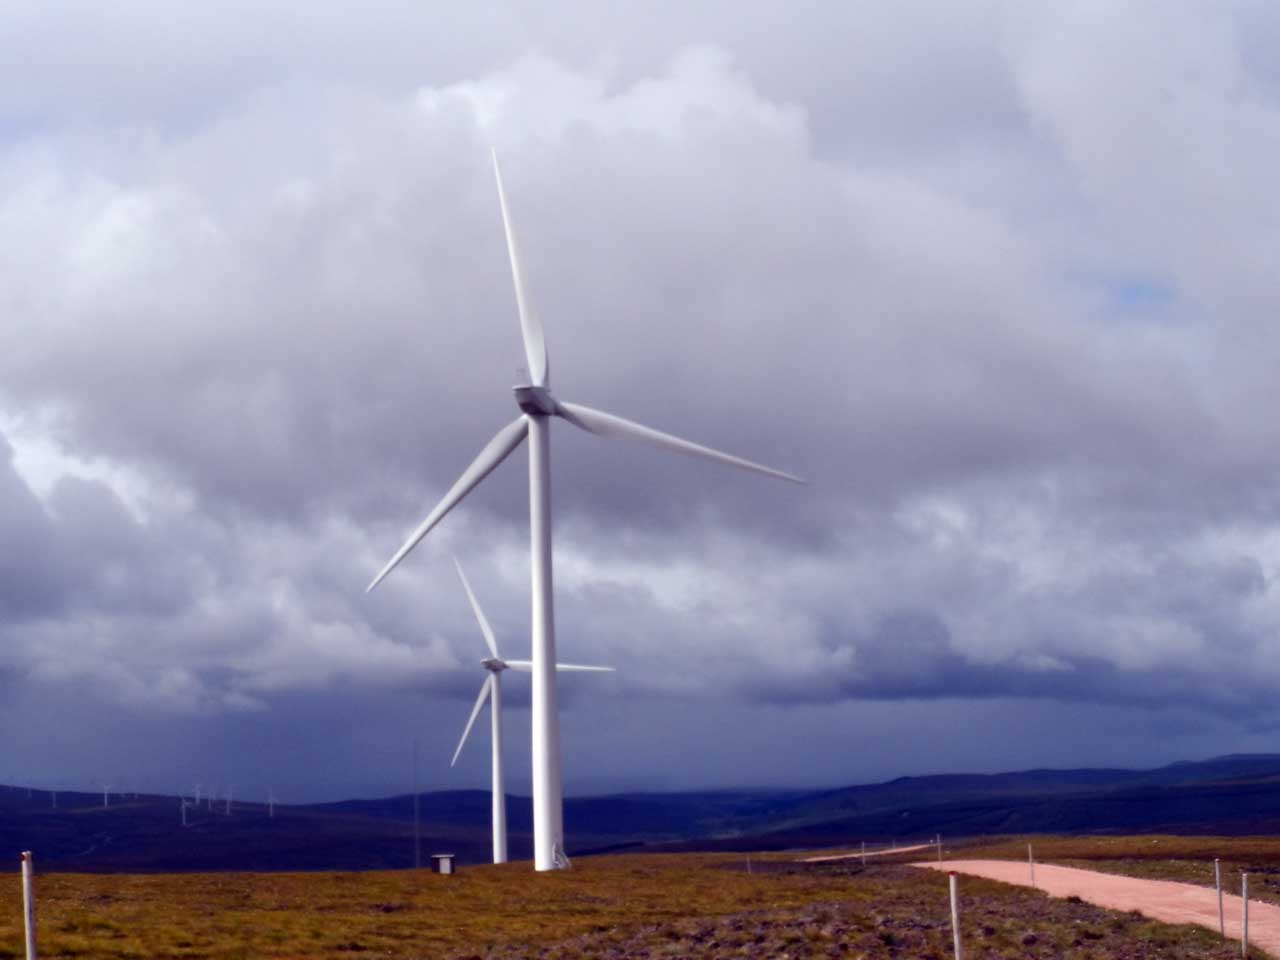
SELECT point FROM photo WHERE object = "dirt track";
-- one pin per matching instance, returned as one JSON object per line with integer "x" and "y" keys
{"x": 881, "y": 852}
{"x": 1159, "y": 899}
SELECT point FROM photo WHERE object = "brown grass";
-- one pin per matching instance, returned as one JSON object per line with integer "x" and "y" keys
{"x": 606, "y": 907}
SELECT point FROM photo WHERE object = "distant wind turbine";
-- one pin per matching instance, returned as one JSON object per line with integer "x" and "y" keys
{"x": 537, "y": 407}
{"x": 491, "y": 689}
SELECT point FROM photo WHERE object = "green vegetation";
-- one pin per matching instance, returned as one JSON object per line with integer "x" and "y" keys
{"x": 606, "y": 907}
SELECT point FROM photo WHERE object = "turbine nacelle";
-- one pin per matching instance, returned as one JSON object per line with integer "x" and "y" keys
{"x": 496, "y": 664}
{"x": 536, "y": 401}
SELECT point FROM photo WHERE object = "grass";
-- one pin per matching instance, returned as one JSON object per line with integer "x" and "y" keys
{"x": 605, "y": 907}
{"x": 1183, "y": 859}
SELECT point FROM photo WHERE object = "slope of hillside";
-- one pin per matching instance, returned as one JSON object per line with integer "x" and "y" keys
{"x": 1226, "y": 795}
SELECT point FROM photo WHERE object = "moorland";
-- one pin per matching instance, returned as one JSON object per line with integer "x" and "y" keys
{"x": 715, "y": 906}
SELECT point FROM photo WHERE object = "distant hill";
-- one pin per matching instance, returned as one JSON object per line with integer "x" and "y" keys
{"x": 1226, "y": 795}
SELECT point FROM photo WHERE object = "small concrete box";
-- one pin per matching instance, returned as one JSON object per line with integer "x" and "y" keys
{"x": 442, "y": 862}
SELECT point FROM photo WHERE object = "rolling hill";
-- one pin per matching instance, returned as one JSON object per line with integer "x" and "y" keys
{"x": 1224, "y": 795}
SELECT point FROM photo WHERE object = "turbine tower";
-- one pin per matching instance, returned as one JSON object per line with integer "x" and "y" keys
{"x": 491, "y": 689}
{"x": 537, "y": 407}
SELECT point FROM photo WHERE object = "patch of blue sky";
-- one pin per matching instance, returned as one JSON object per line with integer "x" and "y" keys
{"x": 17, "y": 126}
{"x": 1136, "y": 295}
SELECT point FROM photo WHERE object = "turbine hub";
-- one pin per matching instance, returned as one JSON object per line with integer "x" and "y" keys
{"x": 535, "y": 400}
{"x": 494, "y": 664}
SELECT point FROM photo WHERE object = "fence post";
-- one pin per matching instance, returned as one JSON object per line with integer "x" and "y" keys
{"x": 1217, "y": 883}
{"x": 864, "y": 853}
{"x": 939, "y": 843}
{"x": 1244, "y": 915}
{"x": 1031, "y": 865}
{"x": 955, "y": 916}
{"x": 28, "y": 905}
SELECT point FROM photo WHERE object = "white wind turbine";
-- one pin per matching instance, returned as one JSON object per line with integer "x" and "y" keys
{"x": 491, "y": 690}
{"x": 537, "y": 407}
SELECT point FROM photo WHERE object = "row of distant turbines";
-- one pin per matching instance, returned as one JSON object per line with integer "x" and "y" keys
{"x": 538, "y": 407}
{"x": 210, "y": 800}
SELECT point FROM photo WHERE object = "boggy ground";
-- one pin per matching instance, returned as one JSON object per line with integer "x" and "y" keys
{"x": 605, "y": 907}
{"x": 1183, "y": 859}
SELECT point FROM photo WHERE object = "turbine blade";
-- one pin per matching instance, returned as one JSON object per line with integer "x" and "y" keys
{"x": 526, "y": 666}
{"x": 475, "y": 605}
{"x": 475, "y": 712}
{"x": 497, "y": 450}
{"x": 607, "y": 425}
{"x": 535, "y": 347}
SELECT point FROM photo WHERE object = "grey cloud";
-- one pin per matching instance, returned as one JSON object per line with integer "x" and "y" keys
{"x": 28, "y": 569}
{"x": 879, "y": 248}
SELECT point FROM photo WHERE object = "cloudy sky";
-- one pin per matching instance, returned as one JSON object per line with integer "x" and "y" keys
{"x": 997, "y": 278}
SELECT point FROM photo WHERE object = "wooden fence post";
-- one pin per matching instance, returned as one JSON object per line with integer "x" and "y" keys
{"x": 29, "y": 905}
{"x": 1244, "y": 915}
{"x": 955, "y": 916}
{"x": 1217, "y": 883}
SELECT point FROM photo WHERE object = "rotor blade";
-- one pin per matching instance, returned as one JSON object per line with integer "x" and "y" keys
{"x": 526, "y": 666}
{"x": 475, "y": 605}
{"x": 497, "y": 450}
{"x": 535, "y": 348}
{"x": 475, "y": 712}
{"x": 607, "y": 425}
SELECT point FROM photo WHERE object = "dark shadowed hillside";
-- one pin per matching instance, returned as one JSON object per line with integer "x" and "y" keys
{"x": 1226, "y": 795}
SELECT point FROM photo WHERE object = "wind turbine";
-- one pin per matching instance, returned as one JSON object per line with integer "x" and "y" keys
{"x": 491, "y": 689}
{"x": 537, "y": 407}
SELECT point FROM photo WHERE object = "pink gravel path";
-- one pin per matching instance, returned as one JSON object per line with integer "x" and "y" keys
{"x": 1159, "y": 899}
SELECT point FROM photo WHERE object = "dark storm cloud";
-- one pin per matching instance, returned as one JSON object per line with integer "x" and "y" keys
{"x": 257, "y": 302}
{"x": 29, "y": 575}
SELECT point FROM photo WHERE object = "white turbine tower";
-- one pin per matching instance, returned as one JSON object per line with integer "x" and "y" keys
{"x": 537, "y": 407}
{"x": 491, "y": 690}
